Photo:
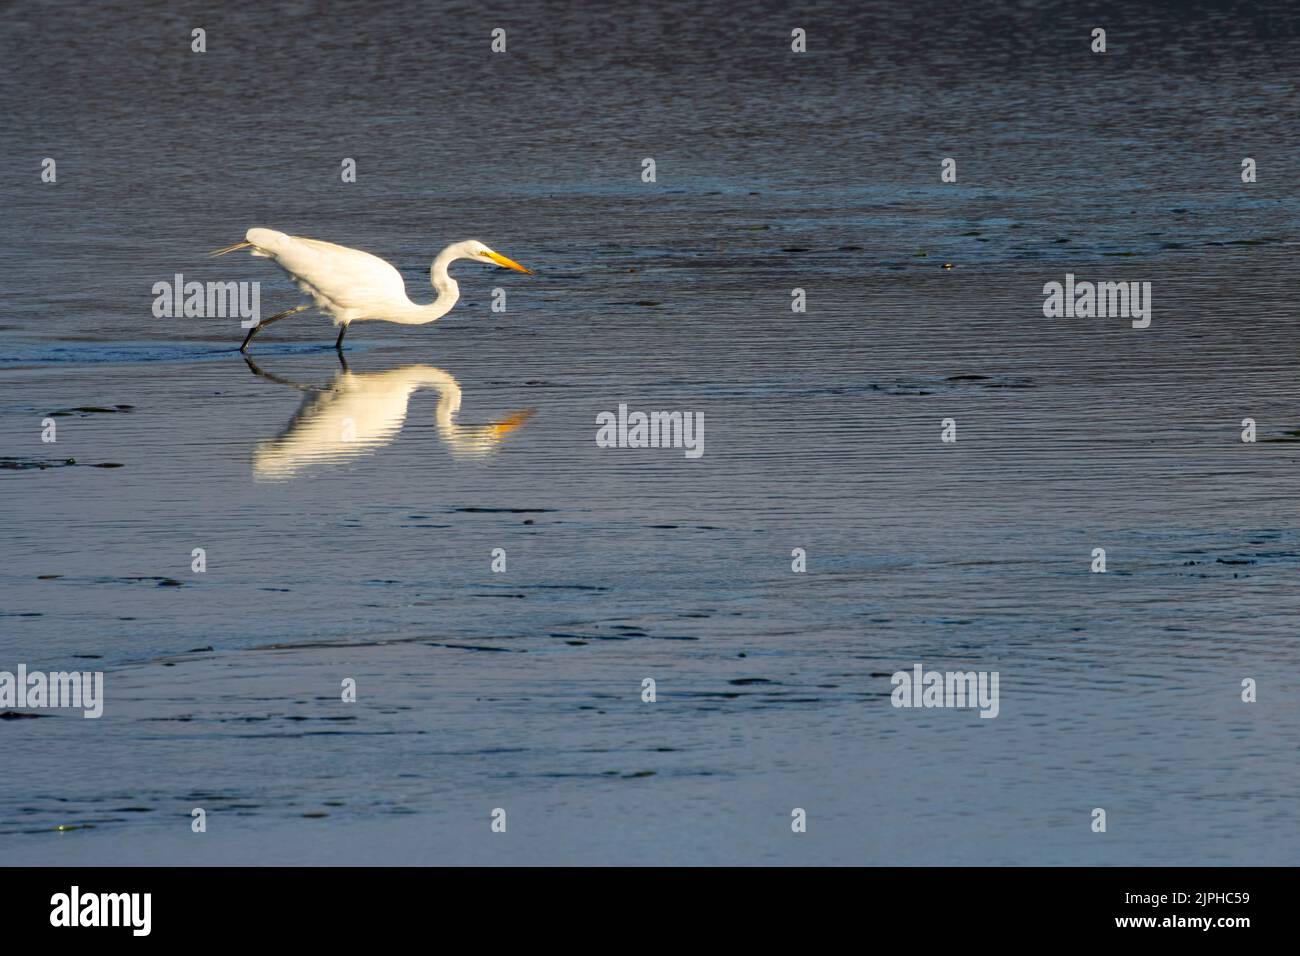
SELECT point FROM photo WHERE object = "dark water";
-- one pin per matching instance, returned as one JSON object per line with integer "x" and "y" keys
{"x": 371, "y": 559}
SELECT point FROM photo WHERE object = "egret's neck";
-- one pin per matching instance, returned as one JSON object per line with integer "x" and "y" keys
{"x": 446, "y": 287}
{"x": 442, "y": 282}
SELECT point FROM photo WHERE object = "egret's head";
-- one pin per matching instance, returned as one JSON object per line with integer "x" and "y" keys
{"x": 473, "y": 249}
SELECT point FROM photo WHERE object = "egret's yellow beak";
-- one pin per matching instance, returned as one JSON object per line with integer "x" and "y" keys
{"x": 508, "y": 263}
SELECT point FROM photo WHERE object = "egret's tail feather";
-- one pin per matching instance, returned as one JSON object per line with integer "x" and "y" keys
{"x": 235, "y": 248}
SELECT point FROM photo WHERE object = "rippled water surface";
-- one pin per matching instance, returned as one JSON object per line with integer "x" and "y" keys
{"x": 368, "y": 556}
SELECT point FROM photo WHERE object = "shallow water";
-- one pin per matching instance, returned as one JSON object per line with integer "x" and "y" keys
{"x": 371, "y": 558}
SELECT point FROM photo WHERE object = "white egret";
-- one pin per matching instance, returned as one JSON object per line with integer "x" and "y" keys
{"x": 363, "y": 411}
{"x": 353, "y": 286}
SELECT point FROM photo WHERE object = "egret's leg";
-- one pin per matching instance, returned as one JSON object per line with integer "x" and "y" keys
{"x": 265, "y": 322}
{"x": 249, "y": 337}
{"x": 342, "y": 332}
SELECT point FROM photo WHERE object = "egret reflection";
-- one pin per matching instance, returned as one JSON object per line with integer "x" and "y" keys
{"x": 360, "y": 412}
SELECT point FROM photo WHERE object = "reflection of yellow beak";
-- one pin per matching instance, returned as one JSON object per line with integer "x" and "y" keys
{"x": 508, "y": 263}
{"x": 511, "y": 422}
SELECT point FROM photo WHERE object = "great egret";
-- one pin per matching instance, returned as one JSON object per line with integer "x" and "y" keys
{"x": 354, "y": 286}
{"x": 362, "y": 411}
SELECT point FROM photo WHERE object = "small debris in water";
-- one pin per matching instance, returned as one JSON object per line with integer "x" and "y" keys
{"x": 84, "y": 410}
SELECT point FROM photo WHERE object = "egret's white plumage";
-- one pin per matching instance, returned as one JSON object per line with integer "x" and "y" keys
{"x": 353, "y": 286}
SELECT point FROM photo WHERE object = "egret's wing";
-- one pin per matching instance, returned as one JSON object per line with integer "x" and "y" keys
{"x": 338, "y": 278}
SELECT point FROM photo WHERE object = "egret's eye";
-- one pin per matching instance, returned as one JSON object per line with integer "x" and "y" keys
{"x": 485, "y": 253}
